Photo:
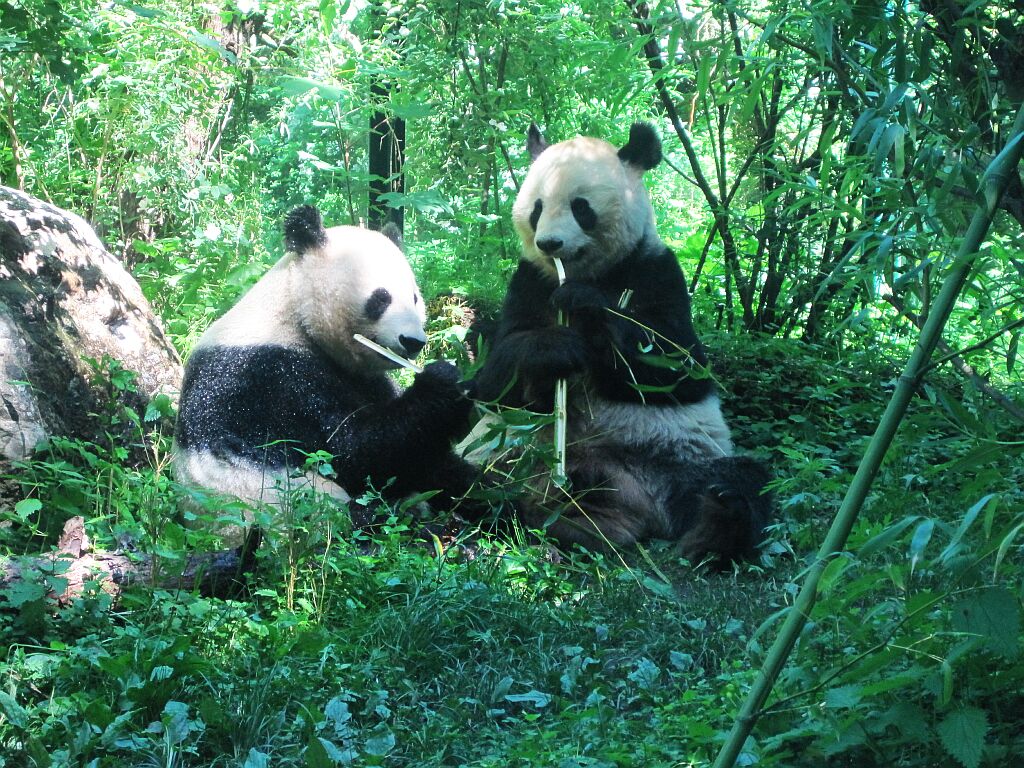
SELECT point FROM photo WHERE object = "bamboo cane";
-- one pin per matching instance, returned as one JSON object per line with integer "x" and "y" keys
{"x": 558, "y": 475}
{"x": 392, "y": 356}
{"x": 994, "y": 183}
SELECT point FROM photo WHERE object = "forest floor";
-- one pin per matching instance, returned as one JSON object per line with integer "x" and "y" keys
{"x": 373, "y": 648}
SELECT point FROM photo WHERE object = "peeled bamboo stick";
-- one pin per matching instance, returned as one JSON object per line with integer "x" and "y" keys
{"x": 392, "y": 356}
{"x": 558, "y": 474}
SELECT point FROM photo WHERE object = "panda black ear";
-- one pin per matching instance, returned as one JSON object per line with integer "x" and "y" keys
{"x": 643, "y": 148}
{"x": 535, "y": 142}
{"x": 394, "y": 234}
{"x": 304, "y": 229}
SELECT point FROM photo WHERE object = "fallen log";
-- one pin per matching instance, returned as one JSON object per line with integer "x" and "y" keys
{"x": 73, "y": 569}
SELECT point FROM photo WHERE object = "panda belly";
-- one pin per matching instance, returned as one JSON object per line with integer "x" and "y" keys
{"x": 693, "y": 431}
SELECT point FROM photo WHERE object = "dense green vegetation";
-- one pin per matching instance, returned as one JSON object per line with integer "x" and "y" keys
{"x": 823, "y": 162}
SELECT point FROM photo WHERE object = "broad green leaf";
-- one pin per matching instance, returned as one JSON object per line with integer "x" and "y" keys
{"x": 296, "y": 86}
{"x": 21, "y": 592}
{"x": 316, "y": 754}
{"x": 12, "y": 710}
{"x": 963, "y": 735}
{"x": 843, "y": 697}
{"x": 381, "y": 742}
{"x": 27, "y": 507}
{"x": 539, "y": 699}
{"x": 992, "y": 614}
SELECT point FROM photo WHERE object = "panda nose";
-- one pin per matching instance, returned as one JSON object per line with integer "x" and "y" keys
{"x": 411, "y": 345}
{"x": 549, "y": 244}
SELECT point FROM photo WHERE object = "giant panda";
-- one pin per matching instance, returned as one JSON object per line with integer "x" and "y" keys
{"x": 280, "y": 376}
{"x": 649, "y": 452}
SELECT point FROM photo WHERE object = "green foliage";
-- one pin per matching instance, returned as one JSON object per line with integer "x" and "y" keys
{"x": 839, "y": 144}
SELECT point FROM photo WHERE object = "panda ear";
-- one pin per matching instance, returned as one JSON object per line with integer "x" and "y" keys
{"x": 304, "y": 229}
{"x": 643, "y": 148}
{"x": 535, "y": 143}
{"x": 394, "y": 234}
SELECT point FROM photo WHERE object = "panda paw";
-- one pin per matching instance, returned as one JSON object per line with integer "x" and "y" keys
{"x": 441, "y": 375}
{"x": 575, "y": 296}
{"x": 557, "y": 352}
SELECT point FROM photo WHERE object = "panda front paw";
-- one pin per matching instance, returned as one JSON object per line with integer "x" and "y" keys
{"x": 575, "y": 297}
{"x": 557, "y": 352}
{"x": 443, "y": 377}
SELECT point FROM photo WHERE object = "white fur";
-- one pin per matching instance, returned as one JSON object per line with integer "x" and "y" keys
{"x": 695, "y": 431}
{"x": 317, "y": 299}
{"x": 249, "y": 482}
{"x": 589, "y": 168}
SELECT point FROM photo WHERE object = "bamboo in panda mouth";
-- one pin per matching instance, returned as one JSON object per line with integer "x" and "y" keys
{"x": 385, "y": 352}
{"x": 558, "y": 475}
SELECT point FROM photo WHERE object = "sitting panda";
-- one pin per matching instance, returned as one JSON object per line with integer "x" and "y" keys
{"x": 280, "y": 376}
{"x": 649, "y": 453}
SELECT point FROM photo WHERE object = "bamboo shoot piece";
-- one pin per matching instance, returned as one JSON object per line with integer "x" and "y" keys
{"x": 392, "y": 356}
{"x": 558, "y": 474}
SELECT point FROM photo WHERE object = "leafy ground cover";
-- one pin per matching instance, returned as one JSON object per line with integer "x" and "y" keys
{"x": 373, "y": 648}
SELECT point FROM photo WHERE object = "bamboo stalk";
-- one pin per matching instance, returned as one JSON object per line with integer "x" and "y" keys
{"x": 392, "y": 356}
{"x": 994, "y": 183}
{"x": 558, "y": 475}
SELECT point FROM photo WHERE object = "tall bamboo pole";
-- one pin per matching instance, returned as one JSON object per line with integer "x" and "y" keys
{"x": 994, "y": 183}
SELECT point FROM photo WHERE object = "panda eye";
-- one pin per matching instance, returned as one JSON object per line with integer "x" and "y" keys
{"x": 377, "y": 304}
{"x": 583, "y": 213}
{"x": 415, "y": 299}
{"x": 535, "y": 216}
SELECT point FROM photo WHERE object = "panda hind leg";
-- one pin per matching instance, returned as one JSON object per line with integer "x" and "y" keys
{"x": 732, "y": 510}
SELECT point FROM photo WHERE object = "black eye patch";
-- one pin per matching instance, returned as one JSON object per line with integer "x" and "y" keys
{"x": 377, "y": 304}
{"x": 583, "y": 213}
{"x": 535, "y": 216}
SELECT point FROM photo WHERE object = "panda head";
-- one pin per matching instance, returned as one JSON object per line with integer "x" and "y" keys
{"x": 584, "y": 201}
{"x": 349, "y": 280}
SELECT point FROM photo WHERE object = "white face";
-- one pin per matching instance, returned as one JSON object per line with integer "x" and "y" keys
{"x": 359, "y": 282}
{"x": 584, "y": 205}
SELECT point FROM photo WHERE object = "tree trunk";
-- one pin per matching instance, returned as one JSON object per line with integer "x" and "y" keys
{"x": 386, "y": 163}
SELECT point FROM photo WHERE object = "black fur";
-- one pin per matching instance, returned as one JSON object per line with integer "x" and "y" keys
{"x": 535, "y": 142}
{"x": 583, "y": 213}
{"x": 530, "y": 351}
{"x": 266, "y": 403}
{"x": 538, "y": 209}
{"x": 643, "y": 148}
{"x": 304, "y": 229}
{"x": 377, "y": 304}
{"x": 393, "y": 232}
{"x": 642, "y": 351}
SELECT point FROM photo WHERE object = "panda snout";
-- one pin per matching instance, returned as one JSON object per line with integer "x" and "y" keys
{"x": 412, "y": 345}
{"x": 549, "y": 245}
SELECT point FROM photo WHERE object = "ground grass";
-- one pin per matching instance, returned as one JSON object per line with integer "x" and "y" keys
{"x": 350, "y": 648}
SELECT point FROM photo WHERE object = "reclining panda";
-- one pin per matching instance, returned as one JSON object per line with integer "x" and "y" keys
{"x": 280, "y": 376}
{"x": 649, "y": 453}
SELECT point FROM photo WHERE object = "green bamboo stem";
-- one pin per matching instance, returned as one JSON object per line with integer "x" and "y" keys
{"x": 994, "y": 183}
